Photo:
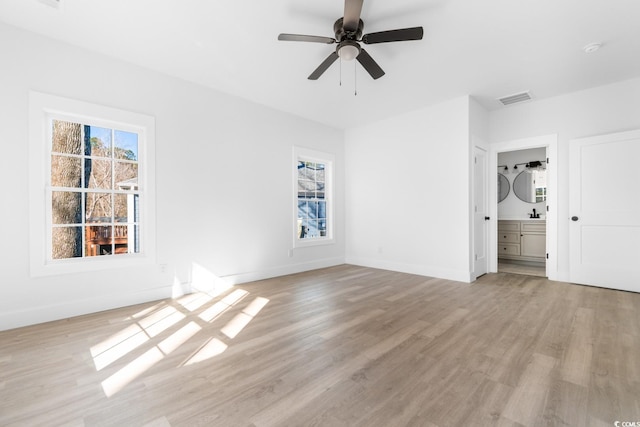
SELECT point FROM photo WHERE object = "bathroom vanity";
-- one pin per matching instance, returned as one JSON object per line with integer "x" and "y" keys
{"x": 523, "y": 240}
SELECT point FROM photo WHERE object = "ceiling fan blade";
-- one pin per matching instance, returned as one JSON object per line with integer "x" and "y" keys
{"x": 370, "y": 65}
{"x": 352, "y": 10}
{"x": 414, "y": 33}
{"x": 323, "y": 67}
{"x": 304, "y": 38}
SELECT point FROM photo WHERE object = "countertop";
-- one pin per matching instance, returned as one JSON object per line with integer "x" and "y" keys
{"x": 514, "y": 218}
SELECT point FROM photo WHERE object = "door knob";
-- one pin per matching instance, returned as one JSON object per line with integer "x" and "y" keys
{"x": 486, "y": 218}
{"x": 574, "y": 218}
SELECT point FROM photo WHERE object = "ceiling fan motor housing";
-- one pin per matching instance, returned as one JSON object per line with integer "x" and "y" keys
{"x": 342, "y": 35}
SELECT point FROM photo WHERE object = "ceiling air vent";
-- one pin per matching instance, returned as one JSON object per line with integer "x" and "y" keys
{"x": 515, "y": 98}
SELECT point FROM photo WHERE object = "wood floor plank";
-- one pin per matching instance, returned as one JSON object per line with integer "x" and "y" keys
{"x": 341, "y": 346}
{"x": 527, "y": 400}
{"x": 576, "y": 362}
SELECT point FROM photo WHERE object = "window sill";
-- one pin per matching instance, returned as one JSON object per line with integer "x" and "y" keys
{"x": 83, "y": 265}
{"x": 313, "y": 242}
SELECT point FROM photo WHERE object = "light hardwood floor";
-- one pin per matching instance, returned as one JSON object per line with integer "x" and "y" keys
{"x": 515, "y": 267}
{"x": 343, "y": 346}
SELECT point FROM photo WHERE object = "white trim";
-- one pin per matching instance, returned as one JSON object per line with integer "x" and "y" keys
{"x": 419, "y": 269}
{"x": 41, "y": 108}
{"x": 48, "y": 313}
{"x": 477, "y": 147}
{"x": 329, "y": 160}
{"x": 280, "y": 271}
{"x": 551, "y": 144}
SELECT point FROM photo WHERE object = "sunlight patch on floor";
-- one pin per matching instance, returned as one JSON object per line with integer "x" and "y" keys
{"x": 213, "y": 312}
{"x": 124, "y": 376}
{"x": 238, "y": 323}
{"x": 153, "y": 321}
{"x": 194, "y": 301}
{"x": 117, "y": 346}
{"x": 210, "y": 349}
{"x": 179, "y": 337}
{"x": 148, "y": 310}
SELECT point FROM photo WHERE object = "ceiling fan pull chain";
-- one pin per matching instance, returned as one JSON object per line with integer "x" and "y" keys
{"x": 355, "y": 79}
{"x": 340, "y": 71}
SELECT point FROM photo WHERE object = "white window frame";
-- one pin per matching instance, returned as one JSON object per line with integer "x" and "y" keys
{"x": 305, "y": 154}
{"x": 43, "y": 109}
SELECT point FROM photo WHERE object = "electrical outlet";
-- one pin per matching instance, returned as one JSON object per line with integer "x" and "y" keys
{"x": 163, "y": 268}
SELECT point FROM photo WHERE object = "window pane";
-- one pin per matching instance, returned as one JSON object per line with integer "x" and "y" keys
{"x": 66, "y": 137}
{"x": 123, "y": 203}
{"x": 322, "y": 209}
{"x": 322, "y": 227}
{"x": 98, "y": 141}
{"x": 320, "y": 174}
{"x": 99, "y": 240}
{"x": 126, "y": 145}
{"x": 66, "y": 242}
{"x": 97, "y": 173}
{"x": 121, "y": 238}
{"x": 313, "y": 210}
{"x": 304, "y": 229}
{"x": 66, "y": 207}
{"x": 66, "y": 171}
{"x": 311, "y": 170}
{"x": 98, "y": 207}
{"x": 126, "y": 177}
{"x": 302, "y": 209}
{"x": 313, "y": 229}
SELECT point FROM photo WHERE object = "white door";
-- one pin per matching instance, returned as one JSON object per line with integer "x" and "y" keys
{"x": 481, "y": 212}
{"x": 604, "y": 210}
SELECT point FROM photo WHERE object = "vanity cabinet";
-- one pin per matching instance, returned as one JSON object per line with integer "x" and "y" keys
{"x": 522, "y": 240}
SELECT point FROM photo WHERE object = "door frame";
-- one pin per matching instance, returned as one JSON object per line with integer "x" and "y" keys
{"x": 550, "y": 142}
{"x": 485, "y": 226}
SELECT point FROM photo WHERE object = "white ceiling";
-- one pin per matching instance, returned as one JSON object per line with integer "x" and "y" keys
{"x": 488, "y": 48}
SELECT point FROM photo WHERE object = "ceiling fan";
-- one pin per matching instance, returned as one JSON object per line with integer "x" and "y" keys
{"x": 348, "y": 36}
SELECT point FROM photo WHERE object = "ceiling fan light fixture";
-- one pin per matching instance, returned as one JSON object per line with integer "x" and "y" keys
{"x": 348, "y": 51}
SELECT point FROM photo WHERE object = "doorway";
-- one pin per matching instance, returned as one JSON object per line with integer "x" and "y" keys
{"x": 523, "y": 241}
{"x": 522, "y": 208}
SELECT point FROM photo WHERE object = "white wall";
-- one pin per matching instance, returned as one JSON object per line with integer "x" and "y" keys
{"x": 601, "y": 110}
{"x": 224, "y": 182}
{"x": 512, "y": 207}
{"x": 408, "y": 192}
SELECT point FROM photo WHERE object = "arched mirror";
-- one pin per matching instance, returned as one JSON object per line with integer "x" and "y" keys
{"x": 503, "y": 187}
{"x": 531, "y": 186}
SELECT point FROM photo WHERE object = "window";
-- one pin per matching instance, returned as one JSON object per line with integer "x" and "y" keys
{"x": 90, "y": 184}
{"x": 94, "y": 191}
{"x": 313, "y": 205}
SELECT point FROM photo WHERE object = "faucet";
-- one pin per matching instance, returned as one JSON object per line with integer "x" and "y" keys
{"x": 534, "y": 214}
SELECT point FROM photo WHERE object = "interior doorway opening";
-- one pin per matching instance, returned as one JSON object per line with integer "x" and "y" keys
{"x": 549, "y": 229}
{"x": 522, "y": 208}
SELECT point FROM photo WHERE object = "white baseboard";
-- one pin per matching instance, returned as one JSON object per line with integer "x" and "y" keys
{"x": 282, "y": 271}
{"x": 48, "y": 313}
{"x": 421, "y": 270}
{"x": 35, "y": 315}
